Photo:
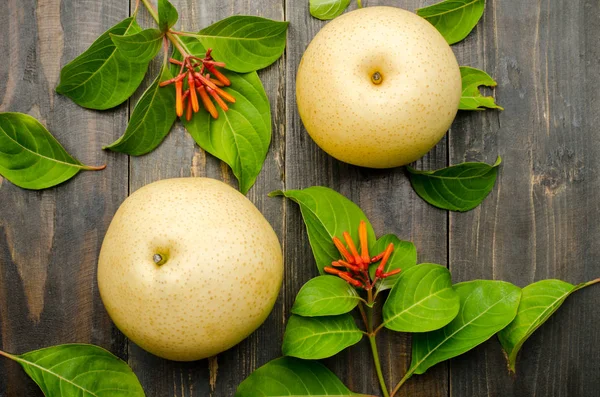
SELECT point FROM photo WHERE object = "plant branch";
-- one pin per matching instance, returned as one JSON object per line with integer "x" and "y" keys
{"x": 373, "y": 343}
{"x": 402, "y": 381}
{"x": 151, "y": 9}
{"x": 364, "y": 315}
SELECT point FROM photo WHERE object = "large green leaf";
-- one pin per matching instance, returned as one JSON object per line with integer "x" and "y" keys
{"x": 471, "y": 98}
{"x": 325, "y": 296}
{"x": 486, "y": 307}
{"x": 79, "y": 370}
{"x": 245, "y": 43}
{"x": 422, "y": 300}
{"x": 167, "y": 15}
{"x": 241, "y": 136}
{"x": 289, "y": 377}
{"x": 327, "y": 214}
{"x": 30, "y": 157}
{"x": 539, "y": 301}
{"x": 151, "y": 120}
{"x": 403, "y": 257}
{"x": 319, "y": 337}
{"x": 327, "y": 9}
{"x": 102, "y": 77}
{"x": 139, "y": 47}
{"x": 460, "y": 187}
{"x": 454, "y": 19}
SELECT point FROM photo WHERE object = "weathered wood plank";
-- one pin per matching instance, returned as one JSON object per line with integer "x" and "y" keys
{"x": 179, "y": 156}
{"x": 388, "y": 200}
{"x": 541, "y": 220}
{"x": 49, "y": 241}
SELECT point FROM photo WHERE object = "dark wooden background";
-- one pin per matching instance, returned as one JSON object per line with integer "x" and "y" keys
{"x": 541, "y": 221}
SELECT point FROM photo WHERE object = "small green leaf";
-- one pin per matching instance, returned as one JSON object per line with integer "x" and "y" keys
{"x": 79, "y": 370}
{"x": 325, "y": 296}
{"x": 102, "y": 78}
{"x": 315, "y": 338}
{"x": 245, "y": 43}
{"x": 30, "y": 157}
{"x": 327, "y": 214}
{"x": 460, "y": 187}
{"x": 241, "y": 136}
{"x": 471, "y": 98}
{"x": 327, "y": 9}
{"x": 151, "y": 120}
{"x": 454, "y": 19}
{"x": 422, "y": 300}
{"x": 288, "y": 376}
{"x": 486, "y": 307}
{"x": 403, "y": 257}
{"x": 540, "y": 300}
{"x": 139, "y": 47}
{"x": 167, "y": 15}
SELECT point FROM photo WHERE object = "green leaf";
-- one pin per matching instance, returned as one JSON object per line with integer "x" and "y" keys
{"x": 460, "y": 187}
{"x": 327, "y": 214}
{"x": 540, "y": 300}
{"x": 245, "y": 43}
{"x": 325, "y": 296}
{"x": 79, "y": 370}
{"x": 30, "y": 157}
{"x": 403, "y": 257}
{"x": 141, "y": 47}
{"x": 471, "y": 98}
{"x": 151, "y": 120}
{"x": 102, "y": 78}
{"x": 485, "y": 308}
{"x": 167, "y": 15}
{"x": 422, "y": 300}
{"x": 327, "y": 9}
{"x": 242, "y": 135}
{"x": 454, "y": 19}
{"x": 319, "y": 337}
{"x": 288, "y": 376}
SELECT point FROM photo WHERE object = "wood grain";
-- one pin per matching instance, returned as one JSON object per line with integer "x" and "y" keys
{"x": 49, "y": 241}
{"x": 539, "y": 222}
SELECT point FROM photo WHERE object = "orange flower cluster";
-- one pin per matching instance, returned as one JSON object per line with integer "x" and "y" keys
{"x": 355, "y": 265}
{"x": 204, "y": 80}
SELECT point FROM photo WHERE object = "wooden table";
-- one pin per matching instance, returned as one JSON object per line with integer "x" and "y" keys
{"x": 541, "y": 221}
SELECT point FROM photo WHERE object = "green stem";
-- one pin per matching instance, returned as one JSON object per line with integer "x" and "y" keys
{"x": 151, "y": 9}
{"x": 373, "y": 342}
{"x": 359, "y": 3}
{"x": 10, "y": 356}
{"x": 399, "y": 385}
{"x": 595, "y": 281}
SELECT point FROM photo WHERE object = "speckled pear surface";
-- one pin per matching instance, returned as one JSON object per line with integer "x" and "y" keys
{"x": 388, "y": 122}
{"x": 219, "y": 277}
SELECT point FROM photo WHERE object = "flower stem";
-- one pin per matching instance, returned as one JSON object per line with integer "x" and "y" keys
{"x": 402, "y": 381}
{"x": 373, "y": 342}
{"x": 151, "y": 9}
